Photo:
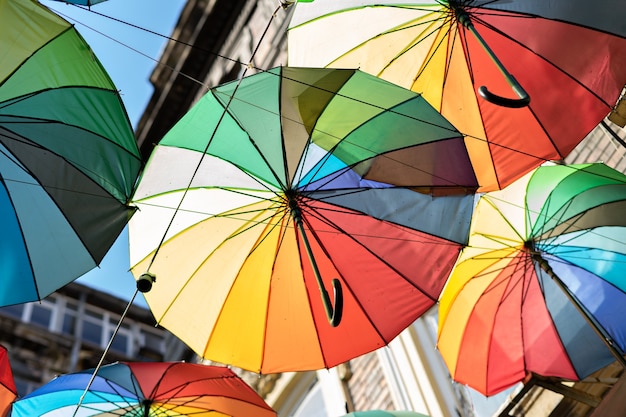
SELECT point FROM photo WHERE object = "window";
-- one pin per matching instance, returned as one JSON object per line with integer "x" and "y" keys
{"x": 92, "y": 327}
{"x": 312, "y": 405}
{"x": 153, "y": 341}
{"x": 122, "y": 341}
{"x": 42, "y": 312}
{"x": 14, "y": 311}
{"x": 41, "y": 315}
{"x": 70, "y": 318}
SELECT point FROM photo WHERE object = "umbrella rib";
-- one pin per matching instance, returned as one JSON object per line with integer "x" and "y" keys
{"x": 22, "y": 235}
{"x": 165, "y": 397}
{"x": 97, "y": 394}
{"x": 432, "y": 51}
{"x": 487, "y": 199}
{"x": 127, "y": 46}
{"x": 341, "y": 140}
{"x": 191, "y": 276}
{"x": 315, "y": 213}
{"x": 230, "y": 215}
{"x": 222, "y": 115}
{"x": 83, "y": 168}
{"x": 340, "y": 209}
{"x": 231, "y": 98}
{"x": 35, "y": 120}
{"x": 68, "y": 28}
{"x": 399, "y": 28}
{"x": 574, "y": 79}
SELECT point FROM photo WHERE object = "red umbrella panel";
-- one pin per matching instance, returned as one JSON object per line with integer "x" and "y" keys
{"x": 8, "y": 391}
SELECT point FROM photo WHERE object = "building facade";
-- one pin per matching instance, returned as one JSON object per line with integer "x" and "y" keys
{"x": 216, "y": 41}
{"x": 69, "y": 330}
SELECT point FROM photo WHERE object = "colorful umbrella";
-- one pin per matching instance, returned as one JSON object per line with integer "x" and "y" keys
{"x": 8, "y": 390}
{"x": 68, "y": 157}
{"x": 548, "y": 245}
{"x": 146, "y": 389}
{"x": 250, "y": 202}
{"x": 566, "y": 56}
{"x": 384, "y": 413}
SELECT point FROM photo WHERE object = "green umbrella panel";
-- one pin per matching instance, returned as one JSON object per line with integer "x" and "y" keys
{"x": 68, "y": 156}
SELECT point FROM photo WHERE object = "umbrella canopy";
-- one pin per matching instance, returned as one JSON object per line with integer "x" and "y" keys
{"x": 546, "y": 246}
{"x": 566, "y": 57}
{"x": 8, "y": 390}
{"x": 384, "y": 413}
{"x": 146, "y": 389}
{"x": 68, "y": 157}
{"x": 250, "y": 207}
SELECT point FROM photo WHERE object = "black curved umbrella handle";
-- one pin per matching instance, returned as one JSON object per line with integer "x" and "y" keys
{"x": 523, "y": 101}
{"x": 335, "y": 313}
{"x": 524, "y": 98}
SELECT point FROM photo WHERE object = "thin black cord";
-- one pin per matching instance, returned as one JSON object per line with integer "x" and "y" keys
{"x": 217, "y": 125}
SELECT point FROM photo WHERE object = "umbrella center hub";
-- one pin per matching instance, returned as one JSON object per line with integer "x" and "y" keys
{"x": 529, "y": 246}
{"x": 292, "y": 200}
{"x": 146, "y": 403}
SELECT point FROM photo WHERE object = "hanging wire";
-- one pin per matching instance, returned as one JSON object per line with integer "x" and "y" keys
{"x": 97, "y": 368}
{"x": 217, "y": 125}
{"x": 147, "y": 275}
{"x": 284, "y": 4}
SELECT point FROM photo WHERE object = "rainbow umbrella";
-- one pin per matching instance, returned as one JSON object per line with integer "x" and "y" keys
{"x": 68, "y": 156}
{"x": 146, "y": 389}
{"x": 560, "y": 62}
{"x": 274, "y": 193}
{"x": 540, "y": 287}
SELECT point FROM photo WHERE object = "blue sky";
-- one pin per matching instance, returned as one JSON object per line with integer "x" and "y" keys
{"x": 129, "y": 56}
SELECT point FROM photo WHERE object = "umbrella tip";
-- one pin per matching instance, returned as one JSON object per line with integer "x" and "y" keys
{"x": 145, "y": 281}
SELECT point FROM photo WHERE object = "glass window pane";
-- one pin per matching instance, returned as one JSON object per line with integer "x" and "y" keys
{"x": 41, "y": 315}
{"x": 14, "y": 311}
{"x": 69, "y": 324}
{"x": 120, "y": 343}
{"x": 312, "y": 405}
{"x": 93, "y": 315}
{"x": 92, "y": 332}
{"x": 153, "y": 341}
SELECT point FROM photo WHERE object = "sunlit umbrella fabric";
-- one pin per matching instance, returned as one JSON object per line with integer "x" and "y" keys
{"x": 68, "y": 157}
{"x": 566, "y": 54}
{"x": 502, "y": 315}
{"x": 233, "y": 278}
{"x": 146, "y": 389}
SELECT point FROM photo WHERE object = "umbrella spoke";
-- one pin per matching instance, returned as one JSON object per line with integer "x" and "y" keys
{"x": 312, "y": 211}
